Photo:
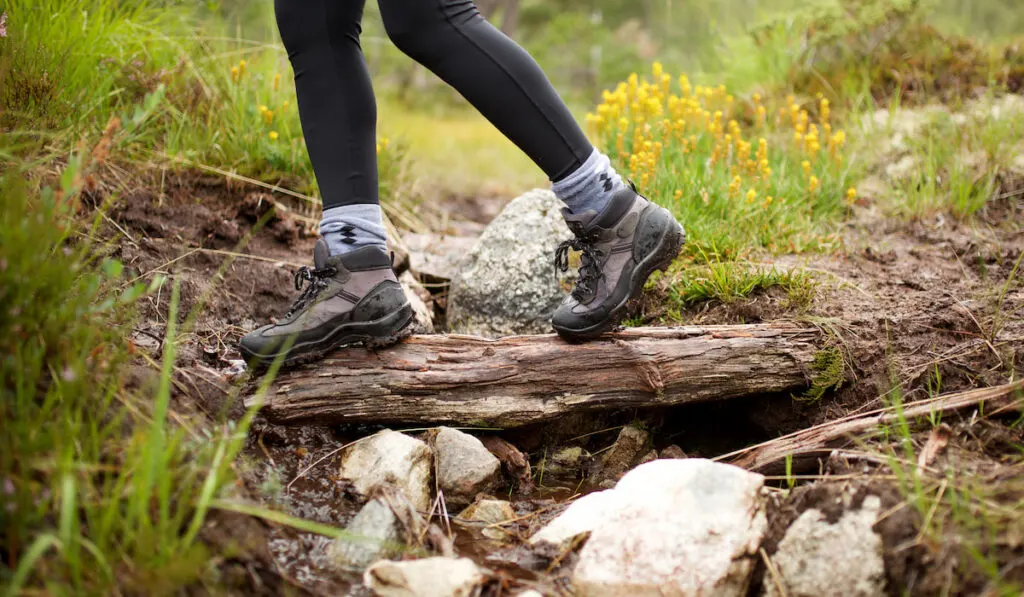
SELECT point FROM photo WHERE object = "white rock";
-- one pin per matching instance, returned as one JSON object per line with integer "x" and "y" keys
{"x": 429, "y": 577}
{"x": 489, "y": 512}
{"x": 373, "y": 534}
{"x": 530, "y": 593}
{"x": 390, "y": 459}
{"x": 818, "y": 559}
{"x": 669, "y": 527}
{"x": 507, "y": 284}
{"x": 464, "y": 466}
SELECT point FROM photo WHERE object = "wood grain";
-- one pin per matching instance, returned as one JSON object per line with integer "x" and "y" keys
{"x": 513, "y": 381}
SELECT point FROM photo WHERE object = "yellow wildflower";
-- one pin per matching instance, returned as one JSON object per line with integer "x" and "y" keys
{"x": 277, "y": 81}
{"x": 751, "y": 195}
{"x": 273, "y": 135}
{"x": 851, "y": 194}
{"x": 678, "y": 194}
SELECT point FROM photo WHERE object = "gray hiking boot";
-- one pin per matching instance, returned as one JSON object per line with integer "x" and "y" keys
{"x": 620, "y": 248}
{"x": 349, "y": 298}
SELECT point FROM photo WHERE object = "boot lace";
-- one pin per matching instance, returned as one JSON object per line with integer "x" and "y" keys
{"x": 317, "y": 279}
{"x": 590, "y": 259}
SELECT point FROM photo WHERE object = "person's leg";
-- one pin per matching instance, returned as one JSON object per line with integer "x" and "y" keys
{"x": 506, "y": 85}
{"x": 622, "y": 236}
{"x": 338, "y": 115}
{"x": 351, "y": 294}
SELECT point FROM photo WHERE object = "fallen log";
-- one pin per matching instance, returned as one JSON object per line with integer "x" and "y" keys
{"x": 517, "y": 380}
{"x": 808, "y": 447}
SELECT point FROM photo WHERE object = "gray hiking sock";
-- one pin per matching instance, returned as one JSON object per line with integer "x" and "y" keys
{"x": 350, "y": 227}
{"x": 590, "y": 186}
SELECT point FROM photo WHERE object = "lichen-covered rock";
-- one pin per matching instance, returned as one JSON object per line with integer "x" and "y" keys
{"x": 507, "y": 284}
{"x": 464, "y": 466}
{"x": 429, "y": 577}
{"x": 818, "y": 559}
{"x": 670, "y": 527}
{"x": 372, "y": 535}
{"x": 390, "y": 459}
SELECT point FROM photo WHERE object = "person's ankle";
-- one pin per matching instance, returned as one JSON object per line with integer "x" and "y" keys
{"x": 350, "y": 227}
{"x": 591, "y": 186}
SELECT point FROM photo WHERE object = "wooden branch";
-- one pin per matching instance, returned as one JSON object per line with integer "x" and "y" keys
{"x": 807, "y": 446}
{"x": 513, "y": 381}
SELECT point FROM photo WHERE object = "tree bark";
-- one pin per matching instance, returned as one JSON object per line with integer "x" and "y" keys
{"x": 514, "y": 381}
{"x": 808, "y": 447}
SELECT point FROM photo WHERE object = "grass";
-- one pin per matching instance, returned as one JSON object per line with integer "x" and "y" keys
{"x": 958, "y": 502}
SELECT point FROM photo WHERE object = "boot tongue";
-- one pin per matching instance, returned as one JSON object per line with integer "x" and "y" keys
{"x": 578, "y": 222}
{"x": 321, "y": 253}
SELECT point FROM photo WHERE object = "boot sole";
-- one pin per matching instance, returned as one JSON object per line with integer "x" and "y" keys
{"x": 668, "y": 249}
{"x": 380, "y": 333}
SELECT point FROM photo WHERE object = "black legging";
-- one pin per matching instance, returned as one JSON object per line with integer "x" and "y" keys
{"x": 449, "y": 37}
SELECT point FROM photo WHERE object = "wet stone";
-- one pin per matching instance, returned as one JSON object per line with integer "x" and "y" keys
{"x": 464, "y": 466}
{"x": 373, "y": 534}
{"x": 429, "y": 577}
{"x": 390, "y": 459}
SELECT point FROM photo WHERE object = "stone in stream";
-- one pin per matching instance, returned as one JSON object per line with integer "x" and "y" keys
{"x": 670, "y": 527}
{"x": 390, "y": 459}
{"x": 373, "y": 534}
{"x": 567, "y": 465}
{"x": 489, "y": 512}
{"x": 464, "y": 466}
{"x": 628, "y": 448}
{"x": 817, "y": 558}
{"x": 507, "y": 284}
{"x": 429, "y": 577}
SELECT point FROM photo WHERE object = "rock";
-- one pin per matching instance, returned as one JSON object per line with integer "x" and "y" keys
{"x": 464, "y": 466}
{"x": 566, "y": 465}
{"x": 507, "y": 285}
{"x": 673, "y": 451}
{"x": 489, "y": 512}
{"x": 436, "y": 258}
{"x": 624, "y": 453}
{"x": 374, "y": 535}
{"x": 530, "y": 593}
{"x": 418, "y": 299}
{"x": 429, "y": 577}
{"x": 670, "y": 527}
{"x": 816, "y": 558}
{"x": 648, "y": 457}
{"x": 390, "y": 459}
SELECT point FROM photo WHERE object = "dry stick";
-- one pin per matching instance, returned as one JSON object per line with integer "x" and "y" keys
{"x": 809, "y": 440}
{"x": 773, "y": 572}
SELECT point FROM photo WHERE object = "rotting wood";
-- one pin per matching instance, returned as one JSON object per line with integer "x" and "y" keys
{"x": 809, "y": 446}
{"x": 518, "y": 380}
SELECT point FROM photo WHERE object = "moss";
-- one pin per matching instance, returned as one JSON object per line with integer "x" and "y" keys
{"x": 829, "y": 368}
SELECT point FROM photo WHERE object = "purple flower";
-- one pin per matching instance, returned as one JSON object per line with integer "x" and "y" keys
{"x": 3, "y": 25}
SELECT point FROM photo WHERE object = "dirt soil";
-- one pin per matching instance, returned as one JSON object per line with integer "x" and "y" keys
{"x": 910, "y": 302}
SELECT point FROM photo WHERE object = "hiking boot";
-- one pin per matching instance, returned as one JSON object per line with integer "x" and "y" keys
{"x": 620, "y": 248}
{"x": 348, "y": 298}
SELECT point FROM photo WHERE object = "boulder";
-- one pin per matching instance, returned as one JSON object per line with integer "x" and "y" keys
{"x": 390, "y": 459}
{"x": 507, "y": 284}
{"x": 670, "y": 527}
{"x": 373, "y": 534}
{"x": 464, "y": 466}
{"x": 817, "y": 558}
{"x": 429, "y": 577}
{"x": 488, "y": 512}
{"x": 628, "y": 448}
